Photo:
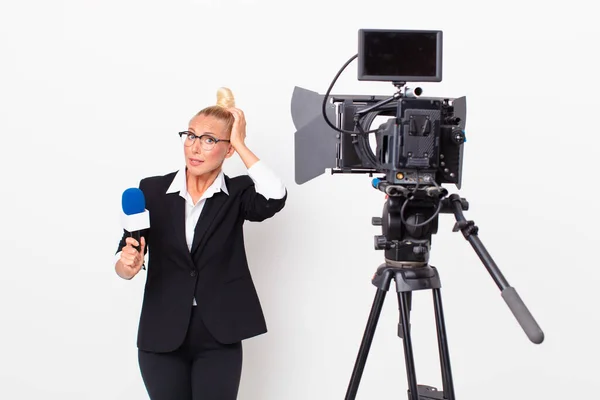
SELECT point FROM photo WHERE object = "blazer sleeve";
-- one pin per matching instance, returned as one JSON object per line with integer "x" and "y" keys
{"x": 256, "y": 207}
{"x": 145, "y": 232}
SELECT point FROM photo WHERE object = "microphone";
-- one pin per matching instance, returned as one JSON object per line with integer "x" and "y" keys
{"x": 135, "y": 217}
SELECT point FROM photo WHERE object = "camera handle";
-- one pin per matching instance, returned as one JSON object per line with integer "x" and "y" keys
{"x": 399, "y": 85}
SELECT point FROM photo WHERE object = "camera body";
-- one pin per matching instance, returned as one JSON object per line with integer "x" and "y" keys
{"x": 420, "y": 144}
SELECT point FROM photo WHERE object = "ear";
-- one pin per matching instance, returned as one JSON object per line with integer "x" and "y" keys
{"x": 230, "y": 151}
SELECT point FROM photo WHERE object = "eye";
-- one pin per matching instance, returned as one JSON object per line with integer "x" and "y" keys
{"x": 191, "y": 136}
{"x": 209, "y": 140}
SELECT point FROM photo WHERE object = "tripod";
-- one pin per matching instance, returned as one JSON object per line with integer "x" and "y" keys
{"x": 408, "y": 223}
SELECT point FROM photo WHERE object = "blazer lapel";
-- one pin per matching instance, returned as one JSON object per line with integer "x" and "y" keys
{"x": 176, "y": 204}
{"x": 209, "y": 212}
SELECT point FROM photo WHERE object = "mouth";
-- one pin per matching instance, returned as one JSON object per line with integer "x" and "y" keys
{"x": 195, "y": 162}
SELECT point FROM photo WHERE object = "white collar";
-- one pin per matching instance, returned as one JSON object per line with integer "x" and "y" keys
{"x": 179, "y": 184}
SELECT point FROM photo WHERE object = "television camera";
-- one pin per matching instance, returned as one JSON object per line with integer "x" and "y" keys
{"x": 418, "y": 149}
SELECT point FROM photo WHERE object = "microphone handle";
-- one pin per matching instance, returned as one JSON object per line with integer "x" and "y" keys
{"x": 137, "y": 235}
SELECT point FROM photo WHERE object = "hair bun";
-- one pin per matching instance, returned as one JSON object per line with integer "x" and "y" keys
{"x": 225, "y": 98}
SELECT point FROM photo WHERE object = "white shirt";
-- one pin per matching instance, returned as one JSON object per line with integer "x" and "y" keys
{"x": 266, "y": 182}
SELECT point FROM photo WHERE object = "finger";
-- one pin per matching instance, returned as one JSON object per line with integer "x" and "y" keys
{"x": 127, "y": 259}
{"x": 129, "y": 251}
{"x": 126, "y": 262}
{"x": 132, "y": 241}
{"x": 130, "y": 265}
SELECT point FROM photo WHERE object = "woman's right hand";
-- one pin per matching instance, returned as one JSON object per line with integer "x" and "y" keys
{"x": 131, "y": 260}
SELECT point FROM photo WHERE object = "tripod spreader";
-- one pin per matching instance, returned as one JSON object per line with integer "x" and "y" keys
{"x": 509, "y": 294}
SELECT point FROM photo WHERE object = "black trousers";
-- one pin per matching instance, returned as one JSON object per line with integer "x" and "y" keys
{"x": 201, "y": 369}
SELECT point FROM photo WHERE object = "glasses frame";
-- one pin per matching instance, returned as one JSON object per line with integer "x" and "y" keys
{"x": 187, "y": 133}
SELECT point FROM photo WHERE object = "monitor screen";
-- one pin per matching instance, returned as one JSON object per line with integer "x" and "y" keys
{"x": 400, "y": 55}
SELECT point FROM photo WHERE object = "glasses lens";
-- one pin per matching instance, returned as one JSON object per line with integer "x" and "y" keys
{"x": 185, "y": 139}
{"x": 208, "y": 143}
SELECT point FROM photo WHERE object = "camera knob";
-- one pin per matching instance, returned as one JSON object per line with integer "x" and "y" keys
{"x": 376, "y": 221}
{"x": 381, "y": 242}
{"x": 419, "y": 250}
{"x": 458, "y": 136}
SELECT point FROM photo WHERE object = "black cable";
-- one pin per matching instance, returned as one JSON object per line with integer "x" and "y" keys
{"x": 403, "y": 208}
{"x": 324, "y": 106}
{"x": 435, "y": 214}
{"x": 363, "y": 148}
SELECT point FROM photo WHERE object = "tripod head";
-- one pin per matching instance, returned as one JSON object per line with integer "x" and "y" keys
{"x": 409, "y": 220}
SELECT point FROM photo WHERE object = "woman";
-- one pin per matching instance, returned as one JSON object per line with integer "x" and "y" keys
{"x": 199, "y": 300}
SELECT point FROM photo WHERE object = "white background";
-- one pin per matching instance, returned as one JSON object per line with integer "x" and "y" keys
{"x": 93, "y": 93}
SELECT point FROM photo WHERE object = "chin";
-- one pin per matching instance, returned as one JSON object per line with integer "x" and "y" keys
{"x": 198, "y": 170}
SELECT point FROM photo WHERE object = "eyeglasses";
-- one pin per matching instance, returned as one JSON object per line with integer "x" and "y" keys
{"x": 207, "y": 142}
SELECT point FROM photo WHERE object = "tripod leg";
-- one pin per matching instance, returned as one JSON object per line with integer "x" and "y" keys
{"x": 409, "y": 301}
{"x": 365, "y": 345}
{"x": 448, "y": 385}
{"x": 404, "y": 300}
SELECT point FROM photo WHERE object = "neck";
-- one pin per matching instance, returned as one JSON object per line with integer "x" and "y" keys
{"x": 198, "y": 184}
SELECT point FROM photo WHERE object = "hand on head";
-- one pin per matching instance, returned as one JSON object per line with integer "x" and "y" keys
{"x": 238, "y": 131}
{"x": 226, "y": 100}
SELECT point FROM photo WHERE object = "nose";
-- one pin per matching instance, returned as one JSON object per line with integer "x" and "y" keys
{"x": 197, "y": 146}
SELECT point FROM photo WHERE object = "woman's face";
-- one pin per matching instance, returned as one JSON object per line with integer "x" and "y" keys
{"x": 200, "y": 161}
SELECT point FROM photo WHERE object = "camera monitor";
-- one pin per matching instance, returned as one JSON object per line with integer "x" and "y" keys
{"x": 399, "y": 55}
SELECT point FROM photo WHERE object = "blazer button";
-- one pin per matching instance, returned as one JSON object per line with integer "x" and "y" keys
{"x": 193, "y": 273}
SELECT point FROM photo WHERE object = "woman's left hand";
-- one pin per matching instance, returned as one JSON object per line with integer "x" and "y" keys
{"x": 238, "y": 131}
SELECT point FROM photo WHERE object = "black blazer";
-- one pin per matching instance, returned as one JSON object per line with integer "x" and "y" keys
{"x": 215, "y": 272}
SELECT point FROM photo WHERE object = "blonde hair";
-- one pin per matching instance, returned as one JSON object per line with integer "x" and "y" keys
{"x": 219, "y": 111}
